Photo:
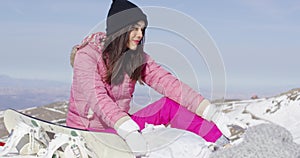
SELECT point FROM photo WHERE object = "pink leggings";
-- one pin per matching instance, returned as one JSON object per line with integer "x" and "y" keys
{"x": 166, "y": 111}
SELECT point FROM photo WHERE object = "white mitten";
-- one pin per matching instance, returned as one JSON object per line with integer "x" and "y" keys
{"x": 129, "y": 131}
{"x": 214, "y": 113}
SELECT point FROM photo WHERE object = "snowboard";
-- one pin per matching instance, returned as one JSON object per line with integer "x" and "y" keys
{"x": 40, "y": 138}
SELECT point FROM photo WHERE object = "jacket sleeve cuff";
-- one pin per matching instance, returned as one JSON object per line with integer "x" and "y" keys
{"x": 126, "y": 128}
{"x": 121, "y": 121}
{"x": 203, "y": 104}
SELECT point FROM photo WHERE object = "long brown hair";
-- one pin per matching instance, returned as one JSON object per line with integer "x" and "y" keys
{"x": 120, "y": 60}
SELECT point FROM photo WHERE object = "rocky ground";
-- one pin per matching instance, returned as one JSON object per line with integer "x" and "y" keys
{"x": 55, "y": 112}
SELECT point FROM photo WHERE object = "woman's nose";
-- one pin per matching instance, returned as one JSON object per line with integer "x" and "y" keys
{"x": 139, "y": 33}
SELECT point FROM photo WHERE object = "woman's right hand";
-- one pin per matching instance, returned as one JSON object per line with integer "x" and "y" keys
{"x": 129, "y": 131}
{"x": 137, "y": 143}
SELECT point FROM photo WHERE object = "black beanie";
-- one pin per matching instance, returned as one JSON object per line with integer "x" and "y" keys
{"x": 121, "y": 14}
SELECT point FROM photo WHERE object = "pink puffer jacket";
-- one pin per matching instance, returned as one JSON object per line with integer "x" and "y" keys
{"x": 94, "y": 104}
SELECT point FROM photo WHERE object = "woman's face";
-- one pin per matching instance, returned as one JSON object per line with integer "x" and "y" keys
{"x": 136, "y": 35}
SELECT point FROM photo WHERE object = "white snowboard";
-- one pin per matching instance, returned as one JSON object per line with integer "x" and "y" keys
{"x": 103, "y": 145}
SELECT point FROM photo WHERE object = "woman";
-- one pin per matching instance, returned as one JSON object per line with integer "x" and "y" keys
{"x": 106, "y": 69}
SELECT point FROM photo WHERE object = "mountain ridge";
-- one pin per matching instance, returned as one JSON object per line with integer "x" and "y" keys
{"x": 24, "y": 93}
{"x": 282, "y": 109}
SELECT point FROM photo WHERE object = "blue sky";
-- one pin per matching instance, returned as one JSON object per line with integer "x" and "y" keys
{"x": 259, "y": 40}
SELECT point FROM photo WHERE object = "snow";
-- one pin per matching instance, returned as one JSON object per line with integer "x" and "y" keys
{"x": 55, "y": 110}
{"x": 170, "y": 142}
{"x": 1, "y": 113}
{"x": 283, "y": 110}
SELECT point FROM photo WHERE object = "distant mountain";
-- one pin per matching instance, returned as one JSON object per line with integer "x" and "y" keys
{"x": 25, "y": 93}
{"x": 9, "y": 82}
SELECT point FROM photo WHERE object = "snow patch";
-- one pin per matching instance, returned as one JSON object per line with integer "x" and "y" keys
{"x": 55, "y": 110}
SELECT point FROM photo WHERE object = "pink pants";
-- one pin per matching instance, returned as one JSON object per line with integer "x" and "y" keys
{"x": 166, "y": 111}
